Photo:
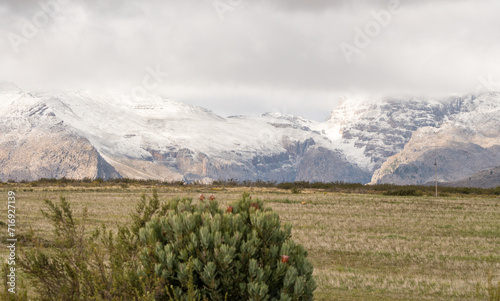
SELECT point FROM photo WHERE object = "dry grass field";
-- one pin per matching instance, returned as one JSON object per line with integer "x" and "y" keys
{"x": 363, "y": 247}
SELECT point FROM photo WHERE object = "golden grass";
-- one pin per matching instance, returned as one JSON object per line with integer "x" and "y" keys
{"x": 363, "y": 247}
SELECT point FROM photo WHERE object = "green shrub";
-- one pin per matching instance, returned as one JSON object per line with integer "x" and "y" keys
{"x": 497, "y": 191}
{"x": 88, "y": 266}
{"x": 175, "y": 251}
{"x": 241, "y": 253}
{"x": 404, "y": 192}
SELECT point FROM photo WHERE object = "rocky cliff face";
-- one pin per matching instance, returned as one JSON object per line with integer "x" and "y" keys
{"x": 35, "y": 144}
{"x": 52, "y": 156}
{"x": 374, "y": 130}
{"x": 320, "y": 161}
{"x": 469, "y": 142}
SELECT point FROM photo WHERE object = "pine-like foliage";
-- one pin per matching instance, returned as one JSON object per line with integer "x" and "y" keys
{"x": 83, "y": 265}
{"x": 198, "y": 251}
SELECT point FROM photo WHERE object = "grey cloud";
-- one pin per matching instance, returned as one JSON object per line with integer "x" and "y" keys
{"x": 264, "y": 55}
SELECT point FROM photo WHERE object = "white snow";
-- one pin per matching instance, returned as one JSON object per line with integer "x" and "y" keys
{"x": 120, "y": 126}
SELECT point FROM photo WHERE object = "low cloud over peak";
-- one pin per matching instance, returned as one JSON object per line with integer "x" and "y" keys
{"x": 240, "y": 57}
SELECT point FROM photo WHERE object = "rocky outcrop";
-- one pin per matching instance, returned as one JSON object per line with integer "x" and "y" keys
{"x": 36, "y": 144}
{"x": 454, "y": 162}
{"x": 319, "y": 162}
{"x": 462, "y": 147}
{"x": 52, "y": 155}
{"x": 380, "y": 128}
{"x": 298, "y": 161}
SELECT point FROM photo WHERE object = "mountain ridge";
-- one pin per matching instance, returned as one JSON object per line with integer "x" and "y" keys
{"x": 466, "y": 144}
{"x": 483, "y": 179}
{"x": 155, "y": 137}
{"x": 168, "y": 140}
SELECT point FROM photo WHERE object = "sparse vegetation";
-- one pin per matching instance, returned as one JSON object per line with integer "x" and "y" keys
{"x": 294, "y": 187}
{"x": 493, "y": 289}
{"x": 87, "y": 264}
{"x": 404, "y": 192}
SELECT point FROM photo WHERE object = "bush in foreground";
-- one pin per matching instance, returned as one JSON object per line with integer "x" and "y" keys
{"x": 240, "y": 253}
{"x": 180, "y": 250}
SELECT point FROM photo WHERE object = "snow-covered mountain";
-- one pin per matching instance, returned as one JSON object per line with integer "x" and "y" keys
{"x": 159, "y": 138}
{"x": 372, "y": 130}
{"x": 81, "y": 134}
{"x": 467, "y": 143}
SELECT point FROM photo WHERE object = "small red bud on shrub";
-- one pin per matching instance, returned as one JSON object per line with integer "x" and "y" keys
{"x": 255, "y": 205}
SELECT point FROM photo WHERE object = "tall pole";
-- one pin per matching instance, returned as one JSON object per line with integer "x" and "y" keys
{"x": 436, "y": 170}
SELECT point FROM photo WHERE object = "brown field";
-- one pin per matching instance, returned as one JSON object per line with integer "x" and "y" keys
{"x": 363, "y": 247}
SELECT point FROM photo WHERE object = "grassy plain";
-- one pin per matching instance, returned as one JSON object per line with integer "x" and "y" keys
{"x": 362, "y": 246}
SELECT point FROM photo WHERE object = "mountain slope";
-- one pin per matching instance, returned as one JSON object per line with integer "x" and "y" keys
{"x": 41, "y": 146}
{"x": 372, "y": 130}
{"x": 389, "y": 140}
{"x": 162, "y": 139}
{"x": 484, "y": 179}
{"x": 466, "y": 144}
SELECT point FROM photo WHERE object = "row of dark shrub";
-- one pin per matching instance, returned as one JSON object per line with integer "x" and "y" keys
{"x": 386, "y": 189}
{"x": 295, "y": 187}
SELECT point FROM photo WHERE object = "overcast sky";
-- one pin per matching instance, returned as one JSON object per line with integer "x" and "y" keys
{"x": 253, "y": 56}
